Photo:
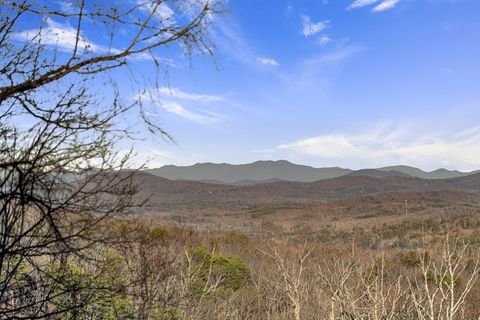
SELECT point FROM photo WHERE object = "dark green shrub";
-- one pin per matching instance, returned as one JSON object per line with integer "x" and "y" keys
{"x": 231, "y": 272}
{"x": 158, "y": 233}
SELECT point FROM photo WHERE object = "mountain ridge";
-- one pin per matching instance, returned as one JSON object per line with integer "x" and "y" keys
{"x": 162, "y": 191}
{"x": 269, "y": 170}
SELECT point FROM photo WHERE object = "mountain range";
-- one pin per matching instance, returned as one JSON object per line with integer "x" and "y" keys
{"x": 173, "y": 193}
{"x": 282, "y": 170}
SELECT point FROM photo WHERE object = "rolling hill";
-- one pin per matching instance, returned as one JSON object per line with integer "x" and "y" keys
{"x": 258, "y": 171}
{"x": 436, "y": 174}
{"x": 161, "y": 191}
{"x": 268, "y": 171}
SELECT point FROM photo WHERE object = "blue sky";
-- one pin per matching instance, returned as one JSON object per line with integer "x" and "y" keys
{"x": 327, "y": 83}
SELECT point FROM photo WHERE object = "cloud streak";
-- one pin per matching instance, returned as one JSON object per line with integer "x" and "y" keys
{"x": 380, "y": 5}
{"x": 386, "y": 5}
{"x": 231, "y": 42}
{"x": 63, "y": 37}
{"x": 179, "y": 94}
{"x": 323, "y": 40}
{"x": 312, "y": 28}
{"x": 180, "y": 110}
{"x": 268, "y": 61}
{"x": 179, "y": 102}
{"x": 362, "y": 3}
{"x": 387, "y": 145}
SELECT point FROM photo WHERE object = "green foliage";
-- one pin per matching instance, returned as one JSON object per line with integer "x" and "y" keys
{"x": 158, "y": 233}
{"x": 214, "y": 242}
{"x": 15, "y": 272}
{"x": 438, "y": 279}
{"x": 121, "y": 228}
{"x": 166, "y": 313}
{"x": 231, "y": 271}
{"x": 85, "y": 295}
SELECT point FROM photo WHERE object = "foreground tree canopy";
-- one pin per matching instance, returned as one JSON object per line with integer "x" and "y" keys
{"x": 60, "y": 173}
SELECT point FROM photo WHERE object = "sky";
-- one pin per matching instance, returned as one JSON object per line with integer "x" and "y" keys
{"x": 355, "y": 84}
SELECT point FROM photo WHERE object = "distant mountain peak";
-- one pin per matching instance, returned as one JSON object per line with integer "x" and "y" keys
{"x": 271, "y": 170}
{"x": 258, "y": 171}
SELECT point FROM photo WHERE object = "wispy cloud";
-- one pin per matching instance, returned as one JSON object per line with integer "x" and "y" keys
{"x": 230, "y": 41}
{"x": 387, "y": 145}
{"x": 193, "y": 107}
{"x": 309, "y": 73}
{"x": 163, "y": 12}
{"x": 330, "y": 58}
{"x": 67, "y": 6}
{"x": 179, "y": 94}
{"x": 180, "y": 110}
{"x": 362, "y": 3}
{"x": 268, "y": 61}
{"x": 312, "y": 28}
{"x": 323, "y": 40}
{"x": 381, "y": 5}
{"x": 386, "y": 5}
{"x": 64, "y": 37}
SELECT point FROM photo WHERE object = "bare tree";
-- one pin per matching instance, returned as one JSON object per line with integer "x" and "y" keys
{"x": 60, "y": 171}
{"x": 359, "y": 290}
{"x": 441, "y": 290}
{"x": 292, "y": 274}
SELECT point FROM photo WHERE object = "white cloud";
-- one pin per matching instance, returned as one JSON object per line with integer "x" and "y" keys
{"x": 178, "y": 109}
{"x": 67, "y": 6}
{"x": 310, "y": 28}
{"x": 387, "y": 145}
{"x": 268, "y": 61}
{"x": 361, "y": 3}
{"x": 55, "y": 34}
{"x": 382, "y": 6}
{"x": 333, "y": 57}
{"x": 327, "y": 146}
{"x": 190, "y": 106}
{"x": 323, "y": 40}
{"x": 64, "y": 37}
{"x": 179, "y": 94}
{"x": 162, "y": 12}
{"x": 386, "y": 5}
